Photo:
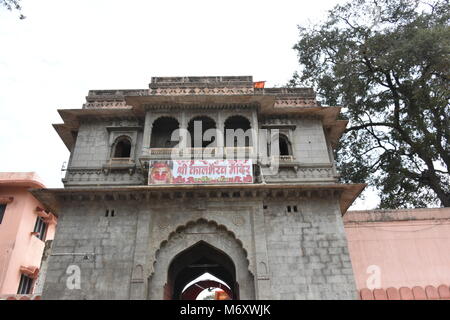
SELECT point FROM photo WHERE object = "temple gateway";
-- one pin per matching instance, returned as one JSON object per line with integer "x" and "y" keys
{"x": 200, "y": 182}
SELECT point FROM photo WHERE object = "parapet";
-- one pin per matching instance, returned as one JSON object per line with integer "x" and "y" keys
{"x": 21, "y": 179}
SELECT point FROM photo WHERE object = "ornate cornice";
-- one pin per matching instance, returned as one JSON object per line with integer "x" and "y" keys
{"x": 198, "y": 107}
{"x": 295, "y": 102}
{"x": 105, "y": 104}
{"x": 202, "y": 90}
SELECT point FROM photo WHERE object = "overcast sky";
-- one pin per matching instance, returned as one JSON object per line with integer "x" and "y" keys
{"x": 64, "y": 48}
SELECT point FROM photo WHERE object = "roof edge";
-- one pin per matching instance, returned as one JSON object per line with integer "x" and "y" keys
{"x": 21, "y": 179}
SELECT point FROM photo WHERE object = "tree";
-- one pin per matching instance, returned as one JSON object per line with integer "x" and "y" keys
{"x": 12, "y": 4}
{"x": 387, "y": 63}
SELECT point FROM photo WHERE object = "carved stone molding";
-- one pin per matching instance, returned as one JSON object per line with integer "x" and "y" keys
{"x": 158, "y": 198}
{"x": 105, "y": 104}
{"x": 200, "y": 90}
{"x": 295, "y": 102}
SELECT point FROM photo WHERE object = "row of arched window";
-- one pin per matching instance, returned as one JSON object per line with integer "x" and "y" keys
{"x": 163, "y": 127}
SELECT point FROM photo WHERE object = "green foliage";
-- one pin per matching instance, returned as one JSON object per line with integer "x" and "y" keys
{"x": 12, "y": 4}
{"x": 387, "y": 62}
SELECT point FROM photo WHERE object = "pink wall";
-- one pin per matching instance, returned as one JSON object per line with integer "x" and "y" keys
{"x": 409, "y": 247}
{"x": 17, "y": 246}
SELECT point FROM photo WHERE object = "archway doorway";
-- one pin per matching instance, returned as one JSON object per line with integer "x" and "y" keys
{"x": 184, "y": 278}
{"x": 217, "y": 242}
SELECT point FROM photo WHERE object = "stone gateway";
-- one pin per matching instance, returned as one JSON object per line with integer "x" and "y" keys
{"x": 136, "y": 230}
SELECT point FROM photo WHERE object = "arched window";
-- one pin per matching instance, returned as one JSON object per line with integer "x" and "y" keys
{"x": 206, "y": 124}
{"x": 240, "y": 125}
{"x": 162, "y": 130}
{"x": 284, "y": 145}
{"x": 122, "y": 148}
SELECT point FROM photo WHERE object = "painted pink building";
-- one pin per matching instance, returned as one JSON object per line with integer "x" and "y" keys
{"x": 24, "y": 228}
{"x": 400, "y": 254}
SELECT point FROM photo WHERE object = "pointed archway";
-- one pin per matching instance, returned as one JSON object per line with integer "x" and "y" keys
{"x": 191, "y": 250}
{"x": 197, "y": 260}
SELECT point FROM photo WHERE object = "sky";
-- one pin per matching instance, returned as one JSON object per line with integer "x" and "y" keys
{"x": 63, "y": 49}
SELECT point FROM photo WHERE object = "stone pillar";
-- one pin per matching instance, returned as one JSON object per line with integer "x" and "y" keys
{"x": 139, "y": 274}
{"x": 220, "y": 135}
{"x": 331, "y": 156}
{"x": 146, "y": 139}
{"x": 184, "y": 137}
{"x": 262, "y": 272}
{"x": 255, "y": 136}
{"x": 39, "y": 286}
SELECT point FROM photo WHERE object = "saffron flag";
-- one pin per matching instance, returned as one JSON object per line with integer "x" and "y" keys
{"x": 259, "y": 85}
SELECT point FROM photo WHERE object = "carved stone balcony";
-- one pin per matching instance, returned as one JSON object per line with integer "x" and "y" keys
{"x": 284, "y": 159}
{"x": 163, "y": 152}
{"x": 119, "y": 164}
{"x": 120, "y": 161}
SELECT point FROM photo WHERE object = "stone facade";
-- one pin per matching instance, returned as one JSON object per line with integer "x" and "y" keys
{"x": 284, "y": 233}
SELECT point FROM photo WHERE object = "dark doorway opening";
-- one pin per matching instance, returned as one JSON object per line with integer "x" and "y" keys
{"x": 194, "y": 262}
{"x": 235, "y": 124}
{"x": 197, "y": 138}
{"x": 162, "y": 131}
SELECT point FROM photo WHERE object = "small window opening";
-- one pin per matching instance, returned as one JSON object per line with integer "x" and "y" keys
{"x": 25, "y": 285}
{"x": 284, "y": 146}
{"x": 123, "y": 148}
{"x": 40, "y": 227}
{"x": 2, "y": 211}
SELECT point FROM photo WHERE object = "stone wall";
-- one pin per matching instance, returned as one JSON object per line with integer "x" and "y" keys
{"x": 308, "y": 141}
{"x": 95, "y": 140}
{"x": 101, "y": 247}
{"x": 90, "y": 160}
{"x": 278, "y": 254}
{"x": 307, "y": 249}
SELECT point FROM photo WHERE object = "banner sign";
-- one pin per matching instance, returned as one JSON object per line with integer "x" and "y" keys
{"x": 200, "y": 171}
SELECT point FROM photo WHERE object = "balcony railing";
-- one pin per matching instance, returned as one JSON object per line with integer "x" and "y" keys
{"x": 120, "y": 161}
{"x": 286, "y": 158}
{"x": 189, "y": 152}
{"x": 238, "y": 150}
{"x": 164, "y": 151}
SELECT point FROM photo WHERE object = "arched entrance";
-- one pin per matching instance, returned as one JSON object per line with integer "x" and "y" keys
{"x": 195, "y": 261}
{"x": 191, "y": 250}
